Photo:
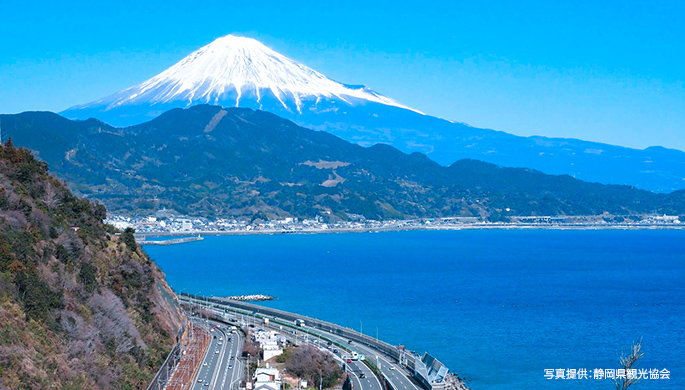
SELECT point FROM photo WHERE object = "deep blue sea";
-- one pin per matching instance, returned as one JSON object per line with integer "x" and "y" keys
{"x": 497, "y": 307}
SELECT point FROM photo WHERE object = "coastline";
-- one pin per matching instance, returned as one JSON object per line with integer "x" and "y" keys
{"x": 404, "y": 228}
{"x": 247, "y": 298}
{"x": 502, "y": 283}
{"x": 173, "y": 241}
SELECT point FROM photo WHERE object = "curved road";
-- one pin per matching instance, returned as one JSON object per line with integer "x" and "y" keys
{"x": 220, "y": 367}
{"x": 361, "y": 375}
{"x": 398, "y": 377}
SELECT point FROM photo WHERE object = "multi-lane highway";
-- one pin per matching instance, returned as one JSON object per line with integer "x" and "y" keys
{"x": 220, "y": 367}
{"x": 361, "y": 375}
{"x": 397, "y": 376}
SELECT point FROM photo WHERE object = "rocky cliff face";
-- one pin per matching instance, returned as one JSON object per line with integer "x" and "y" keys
{"x": 80, "y": 306}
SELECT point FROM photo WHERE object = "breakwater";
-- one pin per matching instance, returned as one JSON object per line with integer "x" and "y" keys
{"x": 247, "y": 298}
{"x": 173, "y": 241}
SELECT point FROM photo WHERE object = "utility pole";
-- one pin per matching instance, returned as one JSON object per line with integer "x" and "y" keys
{"x": 248, "y": 367}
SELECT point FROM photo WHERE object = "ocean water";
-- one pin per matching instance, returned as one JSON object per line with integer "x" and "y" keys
{"x": 498, "y": 307}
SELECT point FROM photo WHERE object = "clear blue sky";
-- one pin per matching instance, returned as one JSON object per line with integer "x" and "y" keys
{"x": 605, "y": 71}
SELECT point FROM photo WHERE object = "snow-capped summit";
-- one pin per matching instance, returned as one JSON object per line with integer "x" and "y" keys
{"x": 238, "y": 72}
{"x": 234, "y": 71}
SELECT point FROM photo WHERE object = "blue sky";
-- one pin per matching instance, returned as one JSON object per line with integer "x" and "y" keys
{"x": 604, "y": 71}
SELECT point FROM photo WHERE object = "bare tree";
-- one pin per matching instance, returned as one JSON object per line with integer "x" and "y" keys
{"x": 629, "y": 361}
{"x": 51, "y": 196}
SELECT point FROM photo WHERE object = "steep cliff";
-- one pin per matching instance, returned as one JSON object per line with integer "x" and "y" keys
{"x": 80, "y": 305}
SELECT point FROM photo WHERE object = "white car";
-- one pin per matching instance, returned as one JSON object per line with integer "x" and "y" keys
{"x": 392, "y": 367}
{"x": 217, "y": 351}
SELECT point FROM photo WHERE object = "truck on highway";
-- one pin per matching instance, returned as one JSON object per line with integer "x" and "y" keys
{"x": 266, "y": 321}
{"x": 299, "y": 322}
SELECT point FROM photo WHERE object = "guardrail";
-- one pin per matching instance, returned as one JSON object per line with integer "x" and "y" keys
{"x": 279, "y": 323}
{"x": 395, "y": 353}
{"x": 164, "y": 373}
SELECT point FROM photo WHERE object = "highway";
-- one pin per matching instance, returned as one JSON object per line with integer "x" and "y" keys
{"x": 220, "y": 367}
{"x": 398, "y": 376}
{"x": 361, "y": 375}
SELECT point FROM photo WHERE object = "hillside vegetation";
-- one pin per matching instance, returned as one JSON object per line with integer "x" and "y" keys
{"x": 80, "y": 308}
{"x": 234, "y": 162}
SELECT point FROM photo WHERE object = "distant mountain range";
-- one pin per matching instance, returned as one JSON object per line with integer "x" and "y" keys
{"x": 237, "y": 162}
{"x": 242, "y": 72}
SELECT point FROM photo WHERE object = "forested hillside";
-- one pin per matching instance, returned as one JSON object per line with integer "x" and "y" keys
{"x": 80, "y": 307}
{"x": 239, "y": 163}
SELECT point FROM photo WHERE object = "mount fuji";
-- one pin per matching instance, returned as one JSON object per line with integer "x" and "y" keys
{"x": 237, "y": 72}
{"x": 242, "y": 72}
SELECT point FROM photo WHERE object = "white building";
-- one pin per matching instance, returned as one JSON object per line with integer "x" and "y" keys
{"x": 271, "y": 349}
{"x": 270, "y": 342}
{"x": 267, "y": 379}
{"x": 186, "y": 224}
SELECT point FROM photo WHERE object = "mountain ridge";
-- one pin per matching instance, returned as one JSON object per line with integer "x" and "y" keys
{"x": 221, "y": 73}
{"x": 240, "y": 163}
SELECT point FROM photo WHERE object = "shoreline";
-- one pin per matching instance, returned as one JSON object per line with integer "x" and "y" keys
{"x": 247, "y": 298}
{"x": 407, "y": 228}
{"x": 172, "y": 241}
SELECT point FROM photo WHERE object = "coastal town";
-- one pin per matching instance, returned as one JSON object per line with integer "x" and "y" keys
{"x": 184, "y": 225}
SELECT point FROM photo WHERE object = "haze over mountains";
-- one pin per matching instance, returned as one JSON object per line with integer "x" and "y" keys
{"x": 240, "y": 163}
{"x": 242, "y": 72}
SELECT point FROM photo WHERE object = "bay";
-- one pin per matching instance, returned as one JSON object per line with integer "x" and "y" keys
{"x": 498, "y": 307}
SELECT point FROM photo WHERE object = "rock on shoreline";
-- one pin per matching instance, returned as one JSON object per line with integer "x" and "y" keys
{"x": 250, "y": 298}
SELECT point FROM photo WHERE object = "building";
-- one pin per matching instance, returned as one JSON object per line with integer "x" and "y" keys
{"x": 186, "y": 225}
{"x": 270, "y": 342}
{"x": 430, "y": 372}
{"x": 267, "y": 378}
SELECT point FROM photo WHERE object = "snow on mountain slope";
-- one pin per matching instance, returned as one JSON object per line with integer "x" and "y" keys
{"x": 233, "y": 69}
